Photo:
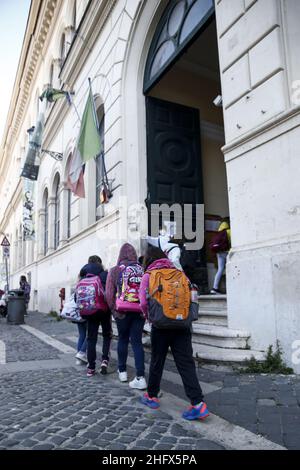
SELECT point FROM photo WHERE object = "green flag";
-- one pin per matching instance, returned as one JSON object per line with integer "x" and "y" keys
{"x": 89, "y": 142}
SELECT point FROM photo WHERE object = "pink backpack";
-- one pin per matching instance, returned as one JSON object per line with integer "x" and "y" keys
{"x": 128, "y": 289}
{"x": 90, "y": 297}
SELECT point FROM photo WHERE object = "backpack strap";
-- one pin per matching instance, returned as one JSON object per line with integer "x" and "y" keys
{"x": 172, "y": 248}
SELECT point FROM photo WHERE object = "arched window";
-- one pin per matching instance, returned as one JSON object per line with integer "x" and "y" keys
{"x": 181, "y": 21}
{"x": 63, "y": 48}
{"x": 46, "y": 215}
{"x": 56, "y": 213}
{"x": 99, "y": 158}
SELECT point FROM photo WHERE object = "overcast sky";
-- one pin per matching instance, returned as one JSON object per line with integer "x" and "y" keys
{"x": 13, "y": 20}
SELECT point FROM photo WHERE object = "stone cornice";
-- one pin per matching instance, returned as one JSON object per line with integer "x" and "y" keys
{"x": 39, "y": 21}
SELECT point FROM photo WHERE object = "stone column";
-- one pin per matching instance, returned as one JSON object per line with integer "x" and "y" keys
{"x": 40, "y": 234}
{"x": 56, "y": 71}
{"x": 63, "y": 214}
{"x": 69, "y": 35}
{"x": 51, "y": 212}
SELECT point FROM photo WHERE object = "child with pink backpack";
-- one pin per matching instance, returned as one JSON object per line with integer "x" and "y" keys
{"x": 122, "y": 295}
{"x": 91, "y": 302}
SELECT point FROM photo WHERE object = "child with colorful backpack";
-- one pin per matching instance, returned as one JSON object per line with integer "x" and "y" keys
{"x": 90, "y": 298}
{"x": 165, "y": 298}
{"x": 122, "y": 295}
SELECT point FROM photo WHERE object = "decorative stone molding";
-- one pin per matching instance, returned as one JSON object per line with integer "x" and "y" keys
{"x": 36, "y": 33}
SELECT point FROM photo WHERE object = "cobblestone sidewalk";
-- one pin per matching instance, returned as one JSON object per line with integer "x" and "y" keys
{"x": 39, "y": 407}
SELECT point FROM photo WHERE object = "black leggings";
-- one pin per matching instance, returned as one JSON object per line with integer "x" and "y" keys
{"x": 93, "y": 323}
{"x": 180, "y": 342}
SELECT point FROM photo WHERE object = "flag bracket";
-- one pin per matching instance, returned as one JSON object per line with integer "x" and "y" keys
{"x": 56, "y": 155}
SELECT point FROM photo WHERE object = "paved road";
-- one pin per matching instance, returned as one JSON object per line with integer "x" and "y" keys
{"x": 47, "y": 402}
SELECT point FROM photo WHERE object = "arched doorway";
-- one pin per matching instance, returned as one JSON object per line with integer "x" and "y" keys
{"x": 185, "y": 131}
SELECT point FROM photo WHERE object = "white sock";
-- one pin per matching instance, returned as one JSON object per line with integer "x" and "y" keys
{"x": 199, "y": 405}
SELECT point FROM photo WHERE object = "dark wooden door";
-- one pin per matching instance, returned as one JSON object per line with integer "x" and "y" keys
{"x": 174, "y": 171}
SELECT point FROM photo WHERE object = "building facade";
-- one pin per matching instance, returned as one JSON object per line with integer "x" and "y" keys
{"x": 156, "y": 69}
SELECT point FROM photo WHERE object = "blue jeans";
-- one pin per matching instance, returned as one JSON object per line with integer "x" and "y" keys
{"x": 131, "y": 327}
{"x": 221, "y": 257}
{"x": 81, "y": 344}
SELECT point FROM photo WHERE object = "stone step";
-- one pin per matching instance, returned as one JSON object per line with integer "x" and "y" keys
{"x": 216, "y": 320}
{"x": 211, "y": 354}
{"x": 212, "y": 316}
{"x": 212, "y": 302}
{"x": 219, "y": 336}
{"x": 212, "y": 312}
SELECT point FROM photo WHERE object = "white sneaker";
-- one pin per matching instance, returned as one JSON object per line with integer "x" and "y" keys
{"x": 139, "y": 383}
{"x": 81, "y": 356}
{"x": 146, "y": 341}
{"x": 122, "y": 376}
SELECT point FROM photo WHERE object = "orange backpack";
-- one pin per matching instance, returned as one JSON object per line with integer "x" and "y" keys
{"x": 170, "y": 298}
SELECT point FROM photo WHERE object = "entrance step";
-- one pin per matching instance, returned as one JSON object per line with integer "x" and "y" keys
{"x": 212, "y": 302}
{"x": 211, "y": 354}
{"x": 212, "y": 340}
{"x": 220, "y": 336}
{"x": 212, "y": 317}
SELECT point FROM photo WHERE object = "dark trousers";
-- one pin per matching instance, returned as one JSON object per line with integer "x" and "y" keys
{"x": 180, "y": 342}
{"x": 131, "y": 327}
{"x": 93, "y": 323}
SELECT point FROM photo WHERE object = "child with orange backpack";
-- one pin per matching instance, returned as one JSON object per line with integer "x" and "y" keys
{"x": 165, "y": 298}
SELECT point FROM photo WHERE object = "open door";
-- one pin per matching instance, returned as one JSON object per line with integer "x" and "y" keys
{"x": 174, "y": 173}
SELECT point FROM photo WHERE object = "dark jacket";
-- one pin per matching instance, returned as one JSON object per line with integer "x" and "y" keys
{"x": 127, "y": 256}
{"x": 25, "y": 287}
{"x": 97, "y": 270}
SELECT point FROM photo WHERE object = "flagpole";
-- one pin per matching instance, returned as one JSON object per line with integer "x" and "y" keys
{"x": 94, "y": 111}
{"x": 73, "y": 104}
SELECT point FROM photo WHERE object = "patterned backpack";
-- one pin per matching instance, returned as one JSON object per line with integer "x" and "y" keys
{"x": 128, "y": 289}
{"x": 90, "y": 297}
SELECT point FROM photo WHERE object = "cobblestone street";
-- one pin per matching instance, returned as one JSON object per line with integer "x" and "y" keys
{"x": 47, "y": 402}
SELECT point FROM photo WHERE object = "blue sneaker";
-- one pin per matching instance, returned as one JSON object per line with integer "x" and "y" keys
{"x": 151, "y": 402}
{"x": 196, "y": 412}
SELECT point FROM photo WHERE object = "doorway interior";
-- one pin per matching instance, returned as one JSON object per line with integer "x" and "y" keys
{"x": 192, "y": 82}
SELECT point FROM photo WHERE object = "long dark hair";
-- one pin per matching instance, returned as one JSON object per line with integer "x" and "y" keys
{"x": 152, "y": 254}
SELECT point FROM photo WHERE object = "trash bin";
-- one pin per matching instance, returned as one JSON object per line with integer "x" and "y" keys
{"x": 16, "y": 307}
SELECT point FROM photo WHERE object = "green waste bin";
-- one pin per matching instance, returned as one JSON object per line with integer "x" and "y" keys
{"x": 16, "y": 307}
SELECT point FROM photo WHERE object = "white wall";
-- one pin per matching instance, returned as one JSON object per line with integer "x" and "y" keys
{"x": 262, "y": 158}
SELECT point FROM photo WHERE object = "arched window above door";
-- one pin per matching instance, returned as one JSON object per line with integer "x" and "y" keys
{"x": 181, "y": 21}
